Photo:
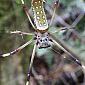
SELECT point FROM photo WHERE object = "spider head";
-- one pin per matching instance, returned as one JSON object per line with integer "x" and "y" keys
{"x": 42, "y": 40}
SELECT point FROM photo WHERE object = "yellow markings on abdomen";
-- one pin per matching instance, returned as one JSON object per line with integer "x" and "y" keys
{"x": 39, "y": 15}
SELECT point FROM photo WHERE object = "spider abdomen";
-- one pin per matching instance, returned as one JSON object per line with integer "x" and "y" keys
{"x": 39, "y": 15}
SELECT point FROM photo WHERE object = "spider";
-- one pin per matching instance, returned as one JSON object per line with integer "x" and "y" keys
{"x": 42, "y": 37}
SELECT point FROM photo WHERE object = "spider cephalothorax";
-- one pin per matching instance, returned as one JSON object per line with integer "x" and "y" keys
{"x": 42, "y": 39}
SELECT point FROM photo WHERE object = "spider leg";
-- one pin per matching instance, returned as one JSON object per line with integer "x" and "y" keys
{"x": 62, "y": 46}
{"x": 20, "y": 33}
{"x": 73, "y": 24}
{"x": 62, "y": 29}
{"x": 30, "y": 66}
{"x": 25, "y": 8}
{"x": 54, "y": 11}
{"x": 60, "y": 20}
{"x": 16, "y": 50}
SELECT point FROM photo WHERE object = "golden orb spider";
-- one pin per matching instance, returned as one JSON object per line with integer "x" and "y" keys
{"x": 42, "y": 37}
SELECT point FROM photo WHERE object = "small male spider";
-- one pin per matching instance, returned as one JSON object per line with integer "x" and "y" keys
{"x": 42, "y": 37}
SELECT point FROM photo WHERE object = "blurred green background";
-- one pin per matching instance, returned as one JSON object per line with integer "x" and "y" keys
{"x": 13, "y": 69}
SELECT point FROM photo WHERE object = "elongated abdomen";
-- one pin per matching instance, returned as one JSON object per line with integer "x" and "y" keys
{"x": 39, "y": 15}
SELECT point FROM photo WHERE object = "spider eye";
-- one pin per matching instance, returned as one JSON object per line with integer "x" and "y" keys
{"x": 38, "y": 36}
{"x": 46, "y": 39}
{"x": 41, "y": 40}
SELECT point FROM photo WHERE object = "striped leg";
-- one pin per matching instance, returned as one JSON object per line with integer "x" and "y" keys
{"x": 56, "y": 4}
{"x": 16, "y": 50}
{"x": 81, "y": 15}
{"x": 62, "y": 46}
{"x": 30, "y": 66}
{"x": 27, "y": 13}
{"x": 67, "y": 26}
{"x": 20, "y": 33}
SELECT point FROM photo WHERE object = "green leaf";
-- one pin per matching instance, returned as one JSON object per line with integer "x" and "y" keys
{"x": 18, "y": 1}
